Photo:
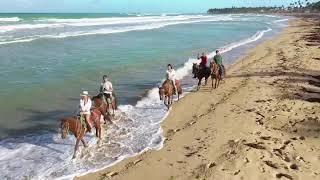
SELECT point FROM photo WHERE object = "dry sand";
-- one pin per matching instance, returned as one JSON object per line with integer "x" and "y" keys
{"x": 261, "y": 123}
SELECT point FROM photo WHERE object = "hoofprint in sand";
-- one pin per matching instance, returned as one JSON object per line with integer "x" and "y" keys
{"x": 261, "y": 123}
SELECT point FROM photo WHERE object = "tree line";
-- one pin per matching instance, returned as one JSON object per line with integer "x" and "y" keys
{"x": 296, "y": 7}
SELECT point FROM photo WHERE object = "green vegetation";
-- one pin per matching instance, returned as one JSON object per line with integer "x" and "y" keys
{"x": 296, "y": 7}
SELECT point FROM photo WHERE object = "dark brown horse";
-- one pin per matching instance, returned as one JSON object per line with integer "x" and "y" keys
{"x": 201, "y": 73}
{"x": 74, "y": 125}
{"x": 166, "y": 92}
{"x": 104, "y": 107}
{"x": 99, "y": 99}
{"x": 216, "y": 74}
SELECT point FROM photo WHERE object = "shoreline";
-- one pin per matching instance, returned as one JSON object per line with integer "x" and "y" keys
{"x": 229, "y": 48}
{"x": 137, "y": 126}
{"x": 180, "y": 125}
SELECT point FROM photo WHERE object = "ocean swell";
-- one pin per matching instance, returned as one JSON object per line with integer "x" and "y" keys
{"x": 64, "y": 28}
{"x": 11, "y": 19}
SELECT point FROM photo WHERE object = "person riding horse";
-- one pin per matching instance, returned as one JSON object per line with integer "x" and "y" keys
{"x": 85, "y": 108}
{"x": 171, "y": 76}
{"x": 202, "y": 70}
{"x": 107, "y": 89}
{"x": 204, "y": 61}
{"x": 218, "y": 60}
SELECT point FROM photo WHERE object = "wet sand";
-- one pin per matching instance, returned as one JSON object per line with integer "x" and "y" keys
{"x": 261, "y": 123}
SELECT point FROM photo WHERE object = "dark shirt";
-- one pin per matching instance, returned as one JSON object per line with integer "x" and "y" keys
{"x": 204, "y": 60}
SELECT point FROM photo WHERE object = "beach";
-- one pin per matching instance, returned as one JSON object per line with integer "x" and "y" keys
{"x": 262, "y": 122}
{"x": 70, "y": 54}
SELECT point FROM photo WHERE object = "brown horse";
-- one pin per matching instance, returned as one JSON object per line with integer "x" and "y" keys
{"x": 99, "y": 102}
{"x": 103, "y": 108}
{"x": 74, "y": 125}
{"x": 166, "y": 92}
{"x": 216, "y": 73}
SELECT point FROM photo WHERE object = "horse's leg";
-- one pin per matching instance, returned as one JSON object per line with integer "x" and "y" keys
{"x": 84, "y": 143}
{"x": 107, "y": 116}
{"x": 76, "y": 148}
{"x": 103, "y": 112}
{"x": 206, "y": 80}
{"x": 115, "y": 101}
{"x": 108, "y": 108}
{"x": 215, "y": 83}
{"x": 114, "y": 108}
{"x": 211, "y": 81}
{"x": 199, "y": 83}
{"x": 97, "y": 130}
{"x": 168, "y": 101}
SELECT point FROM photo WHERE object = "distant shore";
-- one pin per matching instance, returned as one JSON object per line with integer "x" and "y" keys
{"x": 261, "y": 123}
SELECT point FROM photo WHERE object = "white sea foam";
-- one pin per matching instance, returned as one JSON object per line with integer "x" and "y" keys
{"x": 55, "y": 23}
{"x": 16, "y": 27}
{"x": 281, "y": 20}
{"x": 11, "y": 19}
{"x": 137, "y": 129}
{"x": 258, "y": 35}
{"x": 135, "y": 24}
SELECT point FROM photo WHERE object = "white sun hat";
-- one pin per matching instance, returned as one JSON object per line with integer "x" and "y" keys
{"x": 84, "y": 93}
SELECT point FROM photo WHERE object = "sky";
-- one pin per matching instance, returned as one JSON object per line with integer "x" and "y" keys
{"x": 128, "y": 6}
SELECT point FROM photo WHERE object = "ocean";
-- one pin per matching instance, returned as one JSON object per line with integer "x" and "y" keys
{"x": 47, "y": 60}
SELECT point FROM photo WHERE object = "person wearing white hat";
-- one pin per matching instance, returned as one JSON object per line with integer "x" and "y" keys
{"x": 85, "y": 108}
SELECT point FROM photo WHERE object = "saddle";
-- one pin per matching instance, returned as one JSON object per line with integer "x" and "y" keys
{"x": 177, "y": 83}
{"x": 108, "y": 100}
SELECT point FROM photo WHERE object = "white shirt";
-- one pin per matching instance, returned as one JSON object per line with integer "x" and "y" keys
{"x": 171, "y": 75}
{"x": 85, "y": 107}
{"x": 107, "y": 87}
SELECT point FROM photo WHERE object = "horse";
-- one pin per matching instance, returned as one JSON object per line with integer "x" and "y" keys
{"x": 201, "y": 73}
{"x": 216, "y": 73}
{"x": 166, "y": 92}
{"x": 74, "y": 125}
{"x": 105, "y": 107}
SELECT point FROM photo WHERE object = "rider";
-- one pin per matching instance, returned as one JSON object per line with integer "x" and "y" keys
{"x": 218, "y": 60}
{"x": 204, "y": 60}
{"x": 107, "y": 89}
{"x": 85, "y": 107}
{"x": 171, "y": 75}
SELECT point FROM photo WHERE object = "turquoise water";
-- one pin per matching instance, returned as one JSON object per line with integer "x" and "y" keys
{"x": 46, "y": 60}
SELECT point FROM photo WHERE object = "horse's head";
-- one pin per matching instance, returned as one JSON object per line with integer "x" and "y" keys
{"x": 97, "y": 97}
{"x": 64, "y": 128}
{"x": 161, "y": 93}
{"x": 194, "y": 68}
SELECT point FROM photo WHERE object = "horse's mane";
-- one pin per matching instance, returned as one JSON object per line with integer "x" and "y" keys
{"x": 97, "y": 96}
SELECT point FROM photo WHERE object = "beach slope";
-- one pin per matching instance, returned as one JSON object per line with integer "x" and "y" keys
{"x": 261, "y": 123}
